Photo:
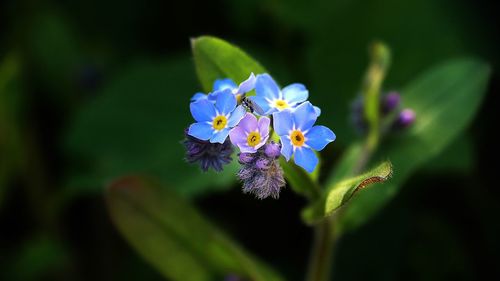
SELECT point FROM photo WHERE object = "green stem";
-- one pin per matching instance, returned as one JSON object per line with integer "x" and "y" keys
{"x": 321, "y": 259}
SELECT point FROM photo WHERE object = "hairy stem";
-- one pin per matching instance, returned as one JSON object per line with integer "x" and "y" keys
{"x": 322, "y": 252}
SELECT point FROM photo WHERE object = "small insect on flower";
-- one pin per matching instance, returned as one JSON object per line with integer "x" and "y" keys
{"x": 299, "y": 137}
{"x": 250, "y": 134}
{"x": 223, "y": 84}
{"x": 261, "y": 173}
{"x": 215, "y": 120}
{"x": 207, "y": 154}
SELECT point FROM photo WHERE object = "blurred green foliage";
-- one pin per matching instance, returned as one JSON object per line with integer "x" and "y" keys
{"x": 445, "y": 99}
{"x": 11, "y": 108}
{"x": 136, "y": 126}
{"x": 91, "y": 90}
{"x": 174, "y": 237}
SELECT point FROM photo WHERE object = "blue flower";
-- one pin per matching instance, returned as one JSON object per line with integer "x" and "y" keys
{"x": 269, "y": 98}
{"x": 299, "y": 137}
{"x": 223, "y": 84}
{"x": 214, "y": 120}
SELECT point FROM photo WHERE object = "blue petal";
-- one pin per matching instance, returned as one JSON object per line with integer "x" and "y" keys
{"x": 213, "y": 96}
{"x": 247, "y": 85}
{"x": 202, "y": 110}
{"x": 295, "y": 93}
{"x": 236, "y": 116}
{"x": 261, "y": 105}
{"x": 304, "y": 116}
{"x": 306, "y": 158}
{"x": 198, "y": 96}
{"x": 286, "y": 148}
{"x": 226, "y": 102}
{"x": 282, "y": 122}
{"x": 318, "y": 137}
{"x": 202, "y": 131}
{"x": 266, "y": 87}
{"x": 222, "y": 84}
{"x": 318, "y": 110}
{"x": 220, "y": 136}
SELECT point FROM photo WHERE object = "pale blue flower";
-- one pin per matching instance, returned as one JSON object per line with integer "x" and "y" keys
{"x": 299, "y": 137}
{"x": 270, "y": 98}
{"x": 214, "y": 120}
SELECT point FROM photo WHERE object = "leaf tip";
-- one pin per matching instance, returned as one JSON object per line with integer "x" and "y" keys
{"x": 125, "y": 184}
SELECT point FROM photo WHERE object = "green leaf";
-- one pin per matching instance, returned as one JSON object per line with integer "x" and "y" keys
{"x": 174, "y": 237}
{"x": 299, "y": 180}
{"x": 342, "y": 191}
{"x": 135, "y": 125}
{"x": 11, "y": 109}
{"x": 36, "y": 259}
{"x": 457, "y": 157}
{"x": 445, "y": 100}
{"x": 56, "y": 53}
{"x": 216, "y": 59}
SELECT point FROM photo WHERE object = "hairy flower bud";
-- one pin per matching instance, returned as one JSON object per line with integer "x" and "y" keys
{"x": 390, "y": 102}
{"x": 207, "y": 154}
{"x": 272, "y": 150}
{"x": 262, "y": 176}
{"x": 245, "y": 158}
{"x": 405, "y": 119}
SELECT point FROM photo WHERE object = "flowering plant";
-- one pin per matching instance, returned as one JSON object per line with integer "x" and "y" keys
{"x": 227, "y": 111}
{"x": 267, "y": 136}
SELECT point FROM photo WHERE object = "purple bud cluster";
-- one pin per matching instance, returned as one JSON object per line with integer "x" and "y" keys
{"x": 261, "y": 173}
{"x": 390, "y": 107}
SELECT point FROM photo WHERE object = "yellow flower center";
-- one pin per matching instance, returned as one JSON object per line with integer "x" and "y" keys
{"x": 281, "y": 104}
{"x": 297, "y": 138}
{"x": 253, "y": 139}
{"x": 219, "y": 122}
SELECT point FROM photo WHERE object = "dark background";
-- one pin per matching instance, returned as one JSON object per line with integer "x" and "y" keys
{"x": 77, "y": 56}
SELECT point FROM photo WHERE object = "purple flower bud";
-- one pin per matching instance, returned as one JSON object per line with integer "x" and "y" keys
{"x": 245, "y": 158}
{"x": 262, "y": 176}
{"x": 207, "y": 155}
{"x": 390, "y": 102}
{"x": 406, "y": 118}
{"x": 262, "y": 164}
{"x": 272, "y": 150}
{"x": 357, "y": 115}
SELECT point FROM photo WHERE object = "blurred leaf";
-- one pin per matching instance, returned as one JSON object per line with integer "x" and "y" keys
{"x": 341, "y": 192}
{"x": 135, "y": 125}
{"x": 11, "y": 152}
{"x": 215, "y": 59}
{"x": 300, "y": 181}
{"x": 174, "y": 237}
{"x": 330, "y": 38}
{"x": 36, "y": 260}
{"x": 445, "y": 100}
{"x": 458, "y": 157}
{"x": 345, "y": 167}
{"x": 55, "y": 51}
